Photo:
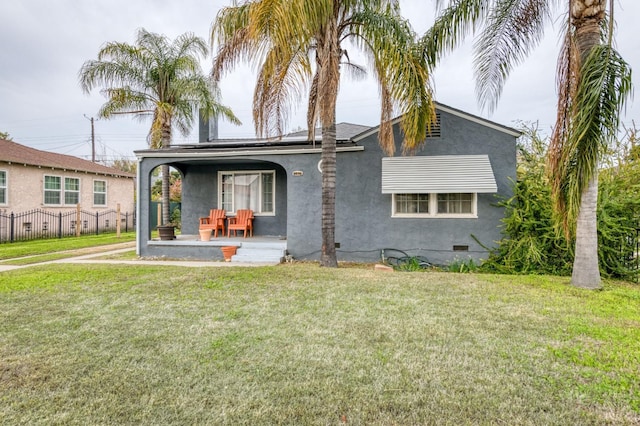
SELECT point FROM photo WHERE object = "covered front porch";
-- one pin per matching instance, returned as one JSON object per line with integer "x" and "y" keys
{"x": 257, "y": 249}
{"x": 280, "y": 181}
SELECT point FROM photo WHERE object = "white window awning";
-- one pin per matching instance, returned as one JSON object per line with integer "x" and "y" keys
{"x": 438, "y": 174}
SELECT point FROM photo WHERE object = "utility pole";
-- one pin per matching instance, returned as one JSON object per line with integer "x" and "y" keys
{"x": 93, "y": 139}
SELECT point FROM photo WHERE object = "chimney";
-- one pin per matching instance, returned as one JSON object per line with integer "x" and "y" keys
{"x": 208, "y": 129}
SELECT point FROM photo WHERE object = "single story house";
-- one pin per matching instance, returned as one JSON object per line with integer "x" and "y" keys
{"x": 32, "y": 179}
{"x": 439, "y": 203}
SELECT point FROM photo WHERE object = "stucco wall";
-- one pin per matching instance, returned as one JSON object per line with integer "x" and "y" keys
{"x": 26, "y": 189}
{"x": 364, "y": 224}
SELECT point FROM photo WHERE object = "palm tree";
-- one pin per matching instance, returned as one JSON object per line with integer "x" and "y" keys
{"x": 159, "y": 78}
{"x": 300, "y": 45}
{"x": 593, "y": 84}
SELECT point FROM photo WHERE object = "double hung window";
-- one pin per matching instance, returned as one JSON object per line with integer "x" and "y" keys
{"x": 71, "y": 190}
{"x": 3, "y": 187}
{"x": 59, "y": 191}
{"x": 52, "y": 190}
{"x": 99, "y": 193}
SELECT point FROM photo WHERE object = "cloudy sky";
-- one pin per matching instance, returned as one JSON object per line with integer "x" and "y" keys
{"x": 43, "y": 44}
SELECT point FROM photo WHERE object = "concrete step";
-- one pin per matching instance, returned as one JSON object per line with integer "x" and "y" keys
{"x": 259, "y": 253}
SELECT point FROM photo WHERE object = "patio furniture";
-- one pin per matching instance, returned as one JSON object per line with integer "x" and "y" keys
{"x": 215, "y": 221}
{"x": 243, "y": 221}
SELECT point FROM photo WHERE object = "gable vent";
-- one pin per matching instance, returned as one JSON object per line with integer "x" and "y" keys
{"x": 434, "y": 130}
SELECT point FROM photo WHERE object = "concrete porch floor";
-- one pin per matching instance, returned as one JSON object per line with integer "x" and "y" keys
{"x": 190, "y": 239}
{"x": 250, "y": 249}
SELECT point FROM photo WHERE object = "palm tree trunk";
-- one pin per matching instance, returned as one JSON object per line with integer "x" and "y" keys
{"x": 586, "y": 19}
{"x": 166, "y": 199}
{"x": 586, "y": 270}
{"x": 329, "y": 53}
{"x": 329, "y": 257}
{"x": 166, "y": 211}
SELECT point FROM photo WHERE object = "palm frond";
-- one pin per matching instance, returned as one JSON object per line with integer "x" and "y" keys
{"x": 514, "y": 28}
{"x": 453, "y": 24}
{"x": 154, "y": 76}
{"x": 280, "y": 86}
{"x": 604, "y": 86}
{"x": 402, "y": 74}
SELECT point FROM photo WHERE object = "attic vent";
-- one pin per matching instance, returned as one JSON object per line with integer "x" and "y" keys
{"x": 434, "y": 130}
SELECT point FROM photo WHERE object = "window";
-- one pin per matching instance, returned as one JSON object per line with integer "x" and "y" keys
{"x": 435, "y": 205}
{"x": 52, "y": 189}
{"x": 455, "y": 203}
{"x": 412, "y": 203}
{"x": 253, "y": 190}
{"x": 3, "y": 187}
{"x": 71, "y": 191}
{"x": 99, "y": 193}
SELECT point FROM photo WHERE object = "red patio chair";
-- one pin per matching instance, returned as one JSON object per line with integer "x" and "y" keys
{"x": 215, "y": 221}
{"x": 242, "y": 222}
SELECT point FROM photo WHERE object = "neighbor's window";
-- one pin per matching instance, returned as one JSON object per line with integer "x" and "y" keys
{"x": 71, "y": 190}
{"x": 253, "y": 190}
{"x": 434, "y": 205}
{"x": 52, "y": 190}
{"x": 3, "y": 187}
{"x": 99, "y": 193}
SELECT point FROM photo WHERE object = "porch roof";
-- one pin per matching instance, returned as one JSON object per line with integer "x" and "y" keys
{"x": 244, "y": 147}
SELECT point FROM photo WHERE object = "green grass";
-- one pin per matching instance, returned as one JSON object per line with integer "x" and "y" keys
{"x": 46, "y": 247}
{"x": 298, "y": 344}
{"x": 125, "y": 255}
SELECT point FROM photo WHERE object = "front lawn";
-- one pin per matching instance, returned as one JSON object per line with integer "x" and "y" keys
{"x": 61, "y": 245}
{"x": 298, "y": 344}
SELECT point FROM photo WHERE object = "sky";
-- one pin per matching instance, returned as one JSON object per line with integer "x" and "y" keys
{"x": 43, "y": 44}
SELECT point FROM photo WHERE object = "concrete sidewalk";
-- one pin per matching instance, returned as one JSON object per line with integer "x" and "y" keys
{"x": 124, "y": 247}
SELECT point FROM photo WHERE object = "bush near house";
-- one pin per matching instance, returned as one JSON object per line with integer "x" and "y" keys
{"x": 532, "y": 244}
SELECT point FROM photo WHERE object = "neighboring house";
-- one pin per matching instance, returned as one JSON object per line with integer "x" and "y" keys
{"x": 439, "y": 202}
{"x": 33, "y": 179}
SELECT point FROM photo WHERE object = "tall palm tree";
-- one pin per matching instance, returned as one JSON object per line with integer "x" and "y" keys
{"x": 156, "y": 78}
{"x": 300, "y": 45}
{"x": 593, "y": 85}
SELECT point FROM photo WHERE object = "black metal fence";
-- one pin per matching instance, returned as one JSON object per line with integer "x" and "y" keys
{"x": 41, "y": 224}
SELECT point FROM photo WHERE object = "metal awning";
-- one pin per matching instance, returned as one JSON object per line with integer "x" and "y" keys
{"x": 438, "y": 174}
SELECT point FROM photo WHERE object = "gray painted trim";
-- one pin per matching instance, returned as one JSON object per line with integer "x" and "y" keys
{"x": 207, "y": 154}
{"x": 438, "y": 174}
{"x": 139, "y": 210}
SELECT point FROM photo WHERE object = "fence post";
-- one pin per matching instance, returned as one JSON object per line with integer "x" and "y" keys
{"x": 97, "y": 224}
{"x": 60, "y": 225}
{"x": 78, "y": 218}
{"x": 118, "y": 220}
{"x": 126, "y": 222}
{"x": 12, "y": 227}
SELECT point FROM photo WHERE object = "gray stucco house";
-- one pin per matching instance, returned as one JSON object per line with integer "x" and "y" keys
{"x": 437, "y": 203}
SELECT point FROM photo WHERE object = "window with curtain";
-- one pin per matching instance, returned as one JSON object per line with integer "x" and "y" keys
{"x": 254, "y": 190}
{"x": 412, "y": 203}
{"x": 455, "y": 203}
{"x": 435, "y": 205}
